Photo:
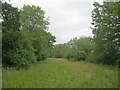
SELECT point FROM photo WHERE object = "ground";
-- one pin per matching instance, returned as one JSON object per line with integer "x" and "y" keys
{"x": 62, "y": 73}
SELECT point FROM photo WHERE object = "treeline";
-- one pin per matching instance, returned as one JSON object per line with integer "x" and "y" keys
{"x": 76, "y": 49}
{"x": 104, "y": 47}
{"x": 25, "y": 38}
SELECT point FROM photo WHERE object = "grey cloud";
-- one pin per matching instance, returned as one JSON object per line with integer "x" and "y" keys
{"x": 68, "y": 18}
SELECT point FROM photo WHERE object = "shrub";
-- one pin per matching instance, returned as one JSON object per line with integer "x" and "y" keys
{"x": 17, "y": 50}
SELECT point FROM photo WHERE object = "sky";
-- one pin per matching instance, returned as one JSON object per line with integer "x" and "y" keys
{"x": 68, "y": 18}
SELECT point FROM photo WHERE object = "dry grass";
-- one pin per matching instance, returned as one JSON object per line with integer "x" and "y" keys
{"x": 56, "y": 58}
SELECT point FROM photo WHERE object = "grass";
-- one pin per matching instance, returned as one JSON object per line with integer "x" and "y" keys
{"x": 61, "y": 73}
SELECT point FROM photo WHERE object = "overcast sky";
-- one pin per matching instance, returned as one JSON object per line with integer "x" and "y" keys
{"x": 68, "y": 18}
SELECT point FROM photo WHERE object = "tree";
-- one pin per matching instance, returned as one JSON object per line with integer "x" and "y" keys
{"x": 81, "y": 47}
{"x": 33, "y": 21}
{"x": 32, "y": 17}
{"x": 10, "y": 18}
{"x": 106, "y": 33}
{"x": 76, "y": 49}
{"x": 17, "y": 50}
{"x": 28, "y": 43}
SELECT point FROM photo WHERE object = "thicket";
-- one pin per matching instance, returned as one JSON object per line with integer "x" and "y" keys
{"x": 106, "y": 31}
{"x": 24, "y": 36}
{"x": 76, "y": 49}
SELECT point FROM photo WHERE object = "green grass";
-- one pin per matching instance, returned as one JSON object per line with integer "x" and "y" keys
{"x": 61, "y": 73}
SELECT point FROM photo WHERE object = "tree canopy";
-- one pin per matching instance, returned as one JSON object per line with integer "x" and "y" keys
{"x": 106, "y": 44}
{"x": 24, "y": 39}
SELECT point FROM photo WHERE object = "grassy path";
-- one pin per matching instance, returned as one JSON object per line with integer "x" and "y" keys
{"x": 61, "y": 73}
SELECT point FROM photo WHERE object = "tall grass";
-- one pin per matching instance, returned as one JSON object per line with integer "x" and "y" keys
{"x": 61, "y": 73}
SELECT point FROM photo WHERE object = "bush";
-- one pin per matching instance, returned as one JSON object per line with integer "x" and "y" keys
{"x": 80, "y": 55}
{"x": 17, "y": 50}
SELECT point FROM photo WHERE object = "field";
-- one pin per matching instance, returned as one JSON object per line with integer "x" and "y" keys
{"x": 62, "y": 73}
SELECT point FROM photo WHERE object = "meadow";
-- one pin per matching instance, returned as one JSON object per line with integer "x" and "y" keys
{"x": 62, "y": 73}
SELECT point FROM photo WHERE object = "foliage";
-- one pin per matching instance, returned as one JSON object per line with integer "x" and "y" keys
{"x": 80, "y": 55}
{"x": 32, "y": 20}
{"x": 32, "y": 17}
{"x": 77, "y": 49}
{"x": 81, "y": 47}
{"x": 17, "y": 50}
{"x": 42, "y": 43}
{"x": 10, "y": 16}
{"x": 106, "y": 33}
{"x": 24, "y": 37}
{"x": 13, "y": 41}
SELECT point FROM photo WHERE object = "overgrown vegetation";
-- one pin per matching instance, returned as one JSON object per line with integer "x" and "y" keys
{"x": 24, "y": 39}
{"x": 61, "y": 73}
{"x": 106, "y": 46}
{"x": 75, "y": 49}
